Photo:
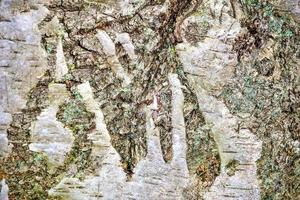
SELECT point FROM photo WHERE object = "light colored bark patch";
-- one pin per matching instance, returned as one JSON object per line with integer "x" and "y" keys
{"x": 48, "y": 135}
{"x": 61, "y": 65}
{"x": 22, "y": 62}
{"x": 109, "y": 175}
{"x": 210, "y": 64}
{"x": 4, "y": 191}
{"x": 242, "y": 146}
{"x": 22, "y": 58}
{"x": 5, "y": 120}
{"x": 126, "y": 42}
{"x": 109, "y": 49}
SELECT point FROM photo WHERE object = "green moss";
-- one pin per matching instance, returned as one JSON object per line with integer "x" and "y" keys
{"x": 73, "y": 113}
{"x": 71, "y": 66}
{"x": 231, "y": 167}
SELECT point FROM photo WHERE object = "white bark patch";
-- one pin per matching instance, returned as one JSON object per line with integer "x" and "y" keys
{"x": 178, "y": 125}
{"x": 109, "y": 49}
{"x": 48, "y": 135}
{"x": 126, "y": 42}
{"x": 210, "y": 64}
{"x": 109, "y": 176}
{"x": 61, "y": 65}
{"x": 241, "y": 146}
{"x": 106, "y": 42}
{"x": 22, "y": 61}
{"x": 4, "y": 149}
{"x": 4, "y": 191}
{"x": 5, "y": 120}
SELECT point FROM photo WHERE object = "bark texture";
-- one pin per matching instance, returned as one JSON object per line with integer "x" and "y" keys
{"x": 103, "y": 98}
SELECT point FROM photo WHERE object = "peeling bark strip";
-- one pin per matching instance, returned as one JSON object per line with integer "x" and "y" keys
{"x": 154, "y": 151}
{"x": 103, "y": 137}
{"x": 5, "y": 120}
{"x": 112, "y": 59}
{"x": 178, "y": 125}
{"x": 126, "y": 42}
{"x": 152, "y": 179}
{"x": 61, "y": 65}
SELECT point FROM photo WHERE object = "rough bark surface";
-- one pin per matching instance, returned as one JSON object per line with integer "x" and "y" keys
{"x": 125, "y": 99}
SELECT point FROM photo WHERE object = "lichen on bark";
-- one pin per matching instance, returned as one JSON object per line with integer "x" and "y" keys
{"x": 149, "y": 99}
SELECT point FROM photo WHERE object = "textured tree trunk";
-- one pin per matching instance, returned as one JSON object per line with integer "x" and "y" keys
{"x": 97, "y": 98}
